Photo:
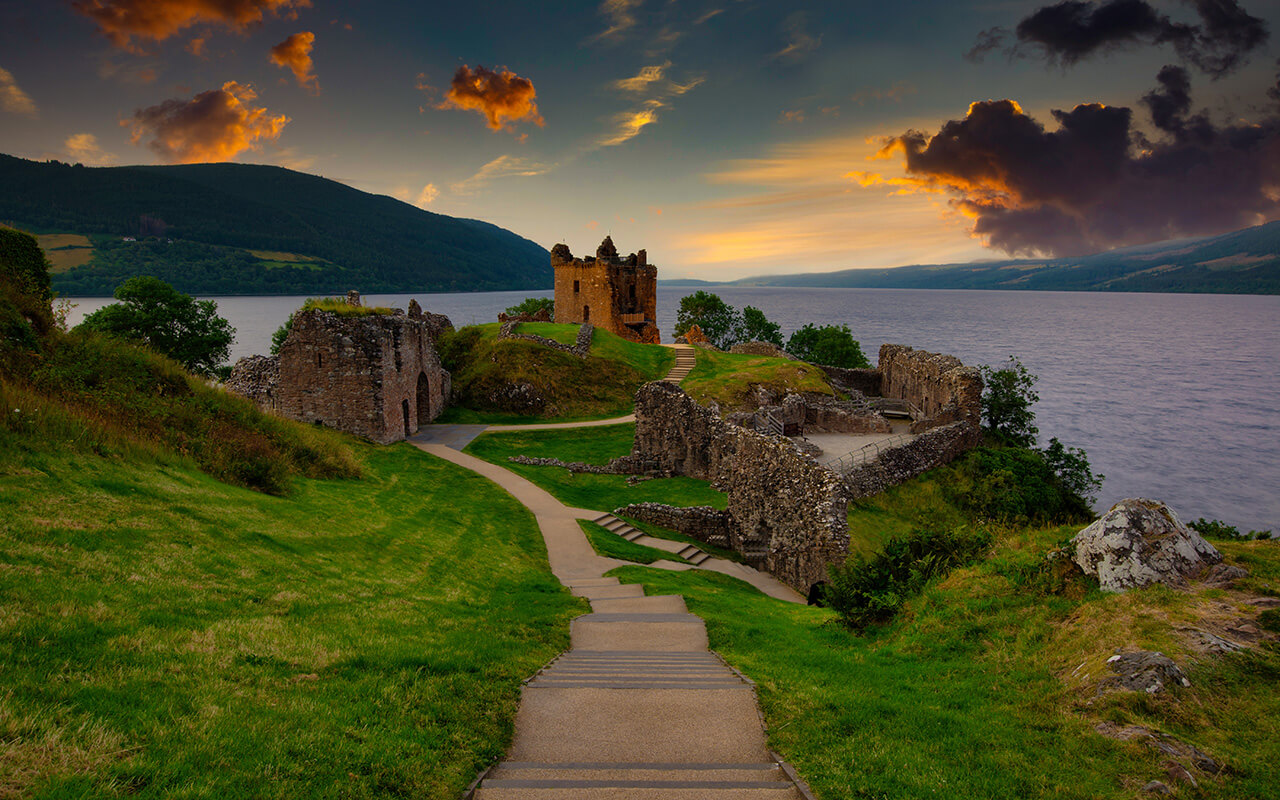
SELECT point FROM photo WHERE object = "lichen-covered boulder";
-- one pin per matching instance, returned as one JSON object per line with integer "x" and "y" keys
{"x": 1140, "y": 542}
{"x": 1143, "y": 671}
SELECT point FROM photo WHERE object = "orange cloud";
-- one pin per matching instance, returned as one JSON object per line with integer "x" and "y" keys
{"x": 84, "y": 148}
{"x": 295, "y": 53}
{"x": 196, "y": 47}
{"x": 628, "y": 124}
{"x": 792, "y": 116}
{"x": 123, "y": 21}
{"x": 12, "y": 98}
{"x": 213, "y": 126}
{"x": 501, "y": 96}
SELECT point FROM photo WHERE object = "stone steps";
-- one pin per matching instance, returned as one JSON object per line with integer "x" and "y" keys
{"x": 689, "y": 552}
{"x": 686, "y": 360}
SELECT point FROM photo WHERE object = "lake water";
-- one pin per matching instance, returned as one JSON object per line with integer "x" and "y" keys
{"x": 1173, "y": 396}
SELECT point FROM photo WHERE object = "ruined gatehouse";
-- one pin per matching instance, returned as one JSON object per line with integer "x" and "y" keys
{"x": 617, "y": 294}
{"x": 375, "y": 375}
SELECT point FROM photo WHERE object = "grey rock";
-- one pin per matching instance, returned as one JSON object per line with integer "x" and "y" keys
{"x": 1140, "y": 542}
{"x": 1143, "y": 671}
{"x": 1156, "y": 787}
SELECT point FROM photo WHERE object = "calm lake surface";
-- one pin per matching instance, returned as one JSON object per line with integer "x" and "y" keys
{"x": 1173, "y": 396}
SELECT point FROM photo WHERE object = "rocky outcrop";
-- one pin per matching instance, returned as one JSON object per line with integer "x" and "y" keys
{"x": 899, "y": 464}
{"x": 1140, "y": 542}
{"x": 1143, "y": 671}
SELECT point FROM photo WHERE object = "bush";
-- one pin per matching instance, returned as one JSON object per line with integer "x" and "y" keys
{"x": 1010, "y": 484}
{"x": 831, "y": 345}
{"x": 867, "y": 592}
{"x": 169, "y": 322}
{"x": 1007, "y": 399}
{"x": 1217, "y": 529}
{"x": 23, "y": 264}
{"x": 1071, "y": 465}
{"x": 532, "y": 305}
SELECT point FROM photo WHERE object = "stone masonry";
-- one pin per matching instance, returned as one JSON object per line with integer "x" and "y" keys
{"x": 617, "y": 294}
{"x": 376, "y": 376}
{"x": 940, "y": 386}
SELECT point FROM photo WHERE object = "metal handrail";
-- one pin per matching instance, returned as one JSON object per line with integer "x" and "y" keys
{"x": 869, "y": 452}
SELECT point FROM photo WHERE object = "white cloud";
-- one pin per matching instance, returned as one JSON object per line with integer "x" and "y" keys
{"x": 500, "y": 167}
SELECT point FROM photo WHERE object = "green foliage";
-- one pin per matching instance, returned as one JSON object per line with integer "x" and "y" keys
{"x": 756, "y": 327}
{"x": 282, "y": 333}
{"x": 171, "y": 323}
{"x": 340, "y": 306}
{"x": 215, "y": 213}
{"x": 830, "y": 345}
{"x": 720, "y": 322}
{"x": 1007, "y": 398}
{"x": 869, "y": 591}
{"x": 1269, "y": 620}
{"x": 23, "y": 264}
{"x": 532, "y": 305}
{"x": 730, "y": 378}
{"x": 1071, "y": 465}
{"x": 1010, "y": 484}
{"x": 611, "y": 545}
{"x": 1217, "y": 529}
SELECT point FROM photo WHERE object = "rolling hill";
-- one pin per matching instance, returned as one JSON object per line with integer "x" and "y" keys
{"x": 1241, "y": 262}
{"x": 252, "y": 229}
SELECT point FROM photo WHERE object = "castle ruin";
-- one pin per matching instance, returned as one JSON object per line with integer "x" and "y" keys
{"x": 377, "y": 376}
{"x": 617, "y": 294}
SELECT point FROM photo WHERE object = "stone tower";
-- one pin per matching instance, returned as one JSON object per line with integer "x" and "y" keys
{"x": 617, "y": 294}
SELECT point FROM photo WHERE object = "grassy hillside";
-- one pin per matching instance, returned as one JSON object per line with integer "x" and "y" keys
{"x": 729, "y": 378}
{"x": 216, "y": 214}
{"x": 1241, "y": 262}
{"x": 512, "y": 381}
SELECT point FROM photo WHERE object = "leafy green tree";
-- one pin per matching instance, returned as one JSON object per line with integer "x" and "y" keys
{"x": 154, "y": 313}
{"x": 832, "y": 345}
{"x": 22, "y": 264}
{"x": 756, "y": 327}
{"x": 1071, "y": 465}
{"x": 282, "y": 333}
{"x": 719, "y": 321}
{"x": 1006, "y": 403}
{"x": 532, "y": 305}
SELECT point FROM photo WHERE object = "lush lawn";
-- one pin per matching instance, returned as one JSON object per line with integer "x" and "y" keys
{"x": 569, "y": 388}
{"x": 972, "y": 692}
{"x": 611, "y": 545}
{"x": 166, "y": 635}
{"x": 593, "y": 446}
{"x": 728, "y": 378}
{"x": 674, "y": 536}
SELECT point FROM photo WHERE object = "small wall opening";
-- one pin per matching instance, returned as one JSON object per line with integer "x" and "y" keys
{"x": 576, "y": 287}
{"x": 586, "y": 313}
{"x": 424, "y": 399}
{"x": 404, "y": 407}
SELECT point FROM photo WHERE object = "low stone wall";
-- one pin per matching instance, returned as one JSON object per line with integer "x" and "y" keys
{"x": 825, "y": 415}
{"x": 257, "y": 378}
{"x": 612, "y": 468}
{"x": 761, "y": 349}
{"x": 791, "y": 511}
{"x": 941, "y": 386}
{"x": 899, "y": 464}
{"x": 580, "y": 348}
{"x": 704, "y": 523}
{"x": 863, "y": 381}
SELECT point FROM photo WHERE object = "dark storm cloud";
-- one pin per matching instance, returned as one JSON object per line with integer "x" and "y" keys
{"x": 1095, "y": 183}
{"x": 1274, "y": 91}
{"x": 1070, "y": 31}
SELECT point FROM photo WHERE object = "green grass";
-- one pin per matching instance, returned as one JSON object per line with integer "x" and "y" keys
{"x": 968, "y": 693}
{"x": 564, "y": 334}
{"x": 339, "y": 306}
{"x": 593, "y": 446}
{"x": 659, "y": 532}
{"x": 728, "y": 378}
{"x": 601, "y": 386}
{"x": 611, "y": 545}
{"x": 166, "y": 635}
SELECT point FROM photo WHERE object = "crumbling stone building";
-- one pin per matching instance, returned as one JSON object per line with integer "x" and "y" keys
{"x": 617, "y": 294}
{"x": 377, "y": 376}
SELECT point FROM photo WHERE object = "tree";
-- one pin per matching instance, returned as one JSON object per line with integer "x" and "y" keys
{"x": 756, "y": 327}
{"x": 832, "y": 345}
{"x": 719, "y": 321}
{"x": 154, "y": 313}
{"x": 22, "y": 263}
{"x": 1071, "y": 465}
{"x": 1006, "y": 403}
{"x": 532, "y": 305}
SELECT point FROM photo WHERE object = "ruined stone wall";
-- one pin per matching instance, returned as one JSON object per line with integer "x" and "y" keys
{"x": 704, "y": 523}
{"x": 897, "y": 465}
{"x": 580, "y": 348}
{"x": 617, "y": 294}
{"x": 863, "y": 381}
{"x": 790, "y": 511}
{"x": 942, "y": 387}
{"x": 375, "y": 376}
{"x": 257, "y": 378}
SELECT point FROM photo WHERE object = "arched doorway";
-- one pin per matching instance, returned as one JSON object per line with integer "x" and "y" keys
{"x": 424, "y": 399}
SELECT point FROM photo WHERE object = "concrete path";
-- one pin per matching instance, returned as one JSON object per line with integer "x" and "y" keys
{"x": 638, "y": 708}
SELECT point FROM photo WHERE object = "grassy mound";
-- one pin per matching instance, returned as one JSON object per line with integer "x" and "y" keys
{"x": 609, "y": 544}
{"x": 168, "y": 635}
{"x": 511, "y": 380}
{"x": 729, "y": 378}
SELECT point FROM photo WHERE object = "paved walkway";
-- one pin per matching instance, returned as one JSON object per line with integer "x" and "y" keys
{"x": 638, "y": 708}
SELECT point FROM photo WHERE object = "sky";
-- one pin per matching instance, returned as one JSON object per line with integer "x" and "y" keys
{"x": 729, "y": 138}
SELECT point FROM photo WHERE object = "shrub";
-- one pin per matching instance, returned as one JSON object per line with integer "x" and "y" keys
{"x": 831, "y": 345}
{"x": 867, "y": 592}
{"x": 1010, "y": 484}
{"x": 1007, "y": 399}
{"x": 532, "y": 305}
{"x": 1217, "y": 529}
{"x": 23, "y": 264}
{"x": 1071, "y": 465}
